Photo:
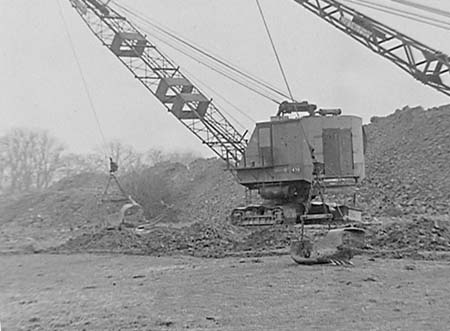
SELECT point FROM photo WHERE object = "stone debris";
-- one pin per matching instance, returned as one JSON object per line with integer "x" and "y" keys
{"x": 198, "y": 239}
{"x": 422, "y": 233}
{"x": 407, "y": 163}
{"x": 407, "y": 185}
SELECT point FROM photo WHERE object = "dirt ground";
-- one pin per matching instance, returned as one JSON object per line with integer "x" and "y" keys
{"x": 120, "y": 292}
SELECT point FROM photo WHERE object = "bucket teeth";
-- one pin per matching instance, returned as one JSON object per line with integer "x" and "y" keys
{"x": 345, "y": 263}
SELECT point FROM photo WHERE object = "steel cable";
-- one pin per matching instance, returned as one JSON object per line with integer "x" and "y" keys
{"x": 197, "y": 49}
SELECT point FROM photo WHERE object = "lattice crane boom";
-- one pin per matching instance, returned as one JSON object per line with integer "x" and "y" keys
{"x": 429, "y": 66}
{"x": 163, "y": 79}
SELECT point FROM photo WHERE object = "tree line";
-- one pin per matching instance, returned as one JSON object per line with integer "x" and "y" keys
{"x": 33, "y": 159}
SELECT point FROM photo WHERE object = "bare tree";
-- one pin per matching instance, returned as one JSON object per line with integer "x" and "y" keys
{"x": 29, "y": 159}
{"x": 124, "y": 155}
{"x": 154, "y": 156}
{"x": 73, "y": 164}
{"x": 182, "y": 157}
{"x": 128, "y": 159}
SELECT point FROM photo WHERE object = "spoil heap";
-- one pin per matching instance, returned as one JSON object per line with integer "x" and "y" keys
{"x": 407, "y": 160}
{"x": 64, "y": 210}
{"x": 203, "y": 191}
{"x": 211, "y": 194}
{"x": 198, "y": 239}
{"x": 420, "y": 233}
{"x": 407, "y": 163}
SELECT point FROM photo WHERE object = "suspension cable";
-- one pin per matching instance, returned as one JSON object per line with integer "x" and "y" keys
{"x": 424, "y": 7}
{"x": 219, "y": 71}
{"x": 83, "y": 79}
{"x": 274, "y": 49}
{"x": 216, "y": 93}
{"x": 197, "y": 49}
{"x": 402, "y": 13}
{"x": 305, "y": 137}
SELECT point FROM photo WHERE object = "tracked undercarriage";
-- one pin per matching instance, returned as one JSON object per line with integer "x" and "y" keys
{"x": 270, "y": 215}
{"x": 339, "y": 238}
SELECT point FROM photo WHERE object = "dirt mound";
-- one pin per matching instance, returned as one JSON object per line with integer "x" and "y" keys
{"x": 211, "y": 194}
{"x": 198, "y": 239}
{"x": 268, "y": 238}
{"x": 407, "y": 163}
{"x": 423, "y": 234}
{"x": 68, "y": 208}
{"x": 407, "y": 160}
{"x": 203, "y": 191}
{"x": 396, "y": 238}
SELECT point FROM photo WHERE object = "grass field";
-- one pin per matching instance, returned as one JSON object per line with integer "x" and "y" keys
{"x": 118, "y": 292}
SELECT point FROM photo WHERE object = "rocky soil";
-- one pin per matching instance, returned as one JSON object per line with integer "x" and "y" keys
{"x": 407, "y": 190}
{"x": 407, "y": 162}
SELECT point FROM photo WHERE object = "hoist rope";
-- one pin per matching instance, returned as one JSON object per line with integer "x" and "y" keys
{"x": 206, "y": 86}
{"x": 216, "y": 93}
{"x": 274, "y": 50}
{"x": 305, "y": 137}
{"x": 197, "y": 49}
{"x": 219, "y": 71}
{"x": 83, "y": 79}
{"x": 399, "y": 11}
{"x": 402, "y": 13}
{"x": 429, "y": 9}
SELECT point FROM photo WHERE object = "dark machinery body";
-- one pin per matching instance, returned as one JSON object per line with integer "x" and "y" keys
{"x": 289, "y": 160}
{"x": 286, "y": 155}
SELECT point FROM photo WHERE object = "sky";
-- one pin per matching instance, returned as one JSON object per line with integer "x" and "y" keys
{"x": 42, "y": 86}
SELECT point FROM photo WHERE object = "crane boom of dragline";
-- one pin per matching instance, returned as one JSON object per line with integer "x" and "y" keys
{"x": 163, "y": 79}
{"x": 429, "y": 66}
{"x": 288, "y": 159}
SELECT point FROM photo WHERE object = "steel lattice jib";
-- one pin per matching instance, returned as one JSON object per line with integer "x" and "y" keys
{"x": 181, "y": 98}
{"x": 128, "y": 44}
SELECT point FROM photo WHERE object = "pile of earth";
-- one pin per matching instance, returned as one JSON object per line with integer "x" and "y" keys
{"x": 198, "y": 239}
{"x": 66, "y": 209}
{"x": 202, "y": 191}
{"x": 407, "y": 159}
{"x": 395, "y": 237}
{"x": 423, "y": 233}
{"x": 407, "y": 163}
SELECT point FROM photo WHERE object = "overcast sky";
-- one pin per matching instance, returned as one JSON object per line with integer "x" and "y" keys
{"x": 41, "y": 86}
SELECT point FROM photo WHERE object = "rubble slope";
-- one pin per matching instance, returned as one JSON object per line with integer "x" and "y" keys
{"x": 407, "y": 158}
